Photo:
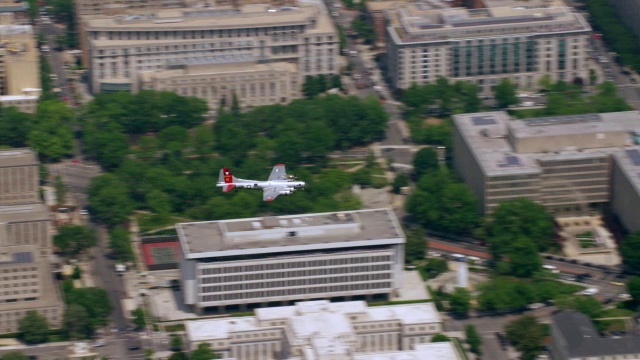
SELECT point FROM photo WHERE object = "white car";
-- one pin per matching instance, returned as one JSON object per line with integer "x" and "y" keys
{"x": 99, "y": 344}
{"x": 590, "y": 291}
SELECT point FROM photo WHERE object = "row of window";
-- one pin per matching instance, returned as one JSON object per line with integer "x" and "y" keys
{"x": 284, "y": 265}
{"x": 334, "y": 290}
{"x": 235, "y": 286}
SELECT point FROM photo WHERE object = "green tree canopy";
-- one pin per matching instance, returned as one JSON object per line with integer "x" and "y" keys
{"x": 14, "y": 355}
{"x": 425, "y": 160}
{"x": 33, "y": 328}
{"x": 460, "y": 301}
{"x": 440, "y": 338}
{"x": 633, "y": 287}
{"x": 109, "y": 199}
{"x": 203, "y": 352}
{"x": 94, "y": 300}
{"x": 473, "y": 339}
{"x": 416, "y": 245}
{"x": 630, "y": 251}
{"x": 120, "y": 244}
{"x": 584, "y": 304}
{"x": 176, "y": 343}
{"x": 15, "y": 127}
{"x": 138, "y": 318}
{"x": 73, "y": 239}
{"x": 519, "y": 219}
{"x": 401, "y": 180}
{"x": 76, "y": 322}
{"x": 505, "y": 94}
{"x": 51, "y": 135}
{"x": 442, "y": 203}
{"x": 527, "y": 334}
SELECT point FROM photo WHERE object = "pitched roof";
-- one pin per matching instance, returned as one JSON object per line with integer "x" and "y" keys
{"x": 581, "y": 339}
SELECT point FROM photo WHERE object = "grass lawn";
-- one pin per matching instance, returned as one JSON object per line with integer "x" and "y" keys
{"x": 609, "y": 313}
{"x": 150, "y": 222}
{"x": 587, "y": 243}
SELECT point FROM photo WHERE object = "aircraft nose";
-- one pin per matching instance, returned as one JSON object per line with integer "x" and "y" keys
{"x": 302, "y": 183}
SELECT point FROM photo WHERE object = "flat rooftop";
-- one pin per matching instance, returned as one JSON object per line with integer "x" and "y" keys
{"x": 486, "y": 136}
{"x": 310, "y": 318}
{"x": 18, "y": 157}
{"x": 430, "y": 351}
{"x": 624, "y": 121}
{"x": 289, "y": 233}
{"x": 248, "y": 16}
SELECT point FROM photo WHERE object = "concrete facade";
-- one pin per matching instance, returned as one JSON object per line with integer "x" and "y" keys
{"x": 625, "y": 185}
{"x": 562, "y": 162}
{"x": 288, "y": 258}
{"x": 321, "y": 330}
{"x": 517, "y": 41}
{"x": 118, "y": 50}
{"x": 255, "y": 84}
{"x": 26, "y": 280}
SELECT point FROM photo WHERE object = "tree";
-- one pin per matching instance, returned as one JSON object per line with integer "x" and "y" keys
{"x": 94, "y": 300}
{"x": 109, "y": 199}
{"x": 633, "y": 287}
{"x": 415, "y": 246}
{"x": 401, "y": 180}
{"x": 440, "y": 338}
{"x": 584, "y": 304}
{"x": 473, "y": 339}
{"x": 593, "y": 77}
{"x": 139, "y": 320}
{"x": 14, "y": 355}
{"x": 51, "y": 135}
{"x": 630, "y": 251}
{"x": 73, "y": 239}
{"x": 203, "y": 352}
{"x": 505, "y": 94}
{"x": 460, "y": 301}
{"x": 176, "y": 343}
{"x": 520, "y": 218}
{"x": 425, "y": 160}
{"x": 120, "y": 244}
{"x": 33, "y": 328}
{"x": 177, "y": 356}
{"x": 15, "y": 127}
{"x": 527, "y": 334}
{"x": 76, "y": 322}
{"x": 524, "y": 259}
{"x": 61, "y": 190}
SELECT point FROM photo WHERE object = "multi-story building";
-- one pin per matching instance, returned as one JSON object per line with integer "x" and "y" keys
{"x": 255, "y": 84}
{"x": 573, "y": 337}
{"x": 26, "y": 280}
{"x": 562, "y": 162}
{"x": 27, "y": 284}
{"x": 324, "y": 330}
{"x": 118, "y": 49}
{"x": 485, "y": 45}
{"x": 112, "y": 7}
{"x": 287, "y": 258}
{"x": 19, "y": 67}
{"x": 625, "y": 182}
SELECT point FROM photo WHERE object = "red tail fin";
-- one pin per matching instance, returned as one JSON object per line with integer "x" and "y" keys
{"x": 227, "y": 175}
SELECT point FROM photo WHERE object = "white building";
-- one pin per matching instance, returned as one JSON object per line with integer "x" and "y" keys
{"x": 321, "y": 330}
{"x": 118, "y": 49}
{"x": 287, "y": 258}
{"x": 520, "y": 42}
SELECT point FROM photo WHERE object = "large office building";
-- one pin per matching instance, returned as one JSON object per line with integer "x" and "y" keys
{"x": 562, "y": 162}
{"x": 625, "y": 182}
{"x": 321, "y": 330}
{"x": 26, "y": 280}
{"x": 355, "y": 254}
{"x": 20, "y": 84}
{"x": 261, "y": 47}
{"x": 519, "y": 41}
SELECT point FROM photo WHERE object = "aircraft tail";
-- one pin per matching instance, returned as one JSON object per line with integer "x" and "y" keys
{"x": 226, "y": 177}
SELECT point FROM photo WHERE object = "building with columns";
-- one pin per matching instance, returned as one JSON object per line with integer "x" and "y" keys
{"x": 322, "y": 330}
{"x": 270, "y": 47}
{"x": 276, "y": 260}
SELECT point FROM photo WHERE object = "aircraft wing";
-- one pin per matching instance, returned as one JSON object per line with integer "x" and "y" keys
{"x": 278, "y": 173}
{"x": 271, "y": 193}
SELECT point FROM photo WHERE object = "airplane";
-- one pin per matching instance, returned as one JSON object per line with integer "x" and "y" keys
{"x": 277, "y": 184}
